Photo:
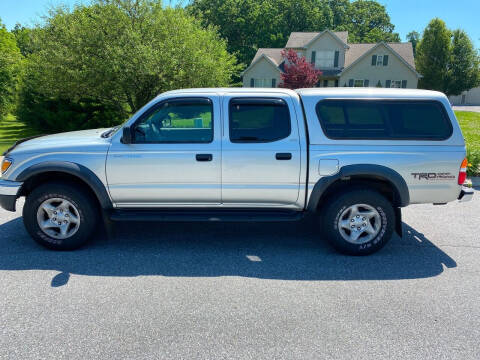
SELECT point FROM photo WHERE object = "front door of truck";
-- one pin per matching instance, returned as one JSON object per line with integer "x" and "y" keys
{"x": 174, "y": 158}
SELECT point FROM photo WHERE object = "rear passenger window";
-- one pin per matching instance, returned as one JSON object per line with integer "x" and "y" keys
{"x": 258, "y": 120}
{"x": 387, "y": 119}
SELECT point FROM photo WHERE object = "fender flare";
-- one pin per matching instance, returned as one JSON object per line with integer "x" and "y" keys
{"x": 77, "y": 170}
{"x": 380, "y": 171}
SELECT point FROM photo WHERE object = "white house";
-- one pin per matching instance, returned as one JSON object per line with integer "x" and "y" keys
{"x": 342, "y": 64}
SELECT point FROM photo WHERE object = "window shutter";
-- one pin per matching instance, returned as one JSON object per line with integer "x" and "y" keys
{"x": 314, "y": 55}
{"x": 385, "y": 60}
{"x": 365, "y": 83}
{"x": 274, "y": 83}
{"x": 388, "y": 83}
{"x": 374, "y": 60}
{"x": 404, "y": 84}
{"x": 252, "y": 82}
{"x": 350, "y": 82}
{"x": 335, "y": 61}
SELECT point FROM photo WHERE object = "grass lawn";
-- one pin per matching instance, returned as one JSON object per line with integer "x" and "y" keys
{"x": 12, "y": 130}
{"x": 470, "y": 124}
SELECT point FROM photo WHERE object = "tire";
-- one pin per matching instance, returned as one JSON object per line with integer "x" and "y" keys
{"x": 362, "y": 214}
{"x": 75, "y": 208}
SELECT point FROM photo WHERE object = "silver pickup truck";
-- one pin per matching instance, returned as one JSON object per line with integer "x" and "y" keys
{"x": 352, "y": 157}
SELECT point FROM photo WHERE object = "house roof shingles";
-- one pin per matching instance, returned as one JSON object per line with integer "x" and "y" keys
{"x": 300, "y": 39}
{"x": 274, "y": 54}
{"x": 357, "y": 50}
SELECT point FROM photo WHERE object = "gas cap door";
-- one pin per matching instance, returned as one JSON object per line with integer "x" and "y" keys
{"x": 327, "y": 167}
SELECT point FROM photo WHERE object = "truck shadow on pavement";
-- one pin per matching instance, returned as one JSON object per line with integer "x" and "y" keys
{"x": 286, "y": 251}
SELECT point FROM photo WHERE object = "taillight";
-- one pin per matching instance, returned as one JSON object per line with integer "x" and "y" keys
{"x": 462, "y": 175}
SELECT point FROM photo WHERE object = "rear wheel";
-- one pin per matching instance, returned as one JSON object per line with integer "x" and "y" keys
{"x": 60, "y": 216}
{"x": 358, "y": 222}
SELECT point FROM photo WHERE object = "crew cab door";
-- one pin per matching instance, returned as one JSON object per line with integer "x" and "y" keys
{"x": 174, "y": 158}
{"x": 261, "y": 151}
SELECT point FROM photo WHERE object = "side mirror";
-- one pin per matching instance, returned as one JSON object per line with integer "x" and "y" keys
{"x": 127, "y": 137}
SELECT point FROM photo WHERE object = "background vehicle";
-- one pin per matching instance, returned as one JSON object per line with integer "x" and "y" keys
{"x": 353, "y": 157}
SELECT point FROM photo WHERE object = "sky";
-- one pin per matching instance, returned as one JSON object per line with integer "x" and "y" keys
{"x": 406, "y": 15}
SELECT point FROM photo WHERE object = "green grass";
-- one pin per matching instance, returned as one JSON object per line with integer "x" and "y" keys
{"x": 12, "y": 130}
{"x": 470, "y": 124}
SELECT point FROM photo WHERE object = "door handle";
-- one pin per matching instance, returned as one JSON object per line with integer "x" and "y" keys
{"x": 204, "y": 157}
{"x": 283, "y": 156}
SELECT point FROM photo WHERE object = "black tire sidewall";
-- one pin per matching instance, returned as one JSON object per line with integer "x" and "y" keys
{"x": 78, "y": 197}
{"x": 337, "y": 206}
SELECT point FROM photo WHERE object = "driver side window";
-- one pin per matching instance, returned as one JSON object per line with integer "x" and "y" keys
{"x": 177, "y": 121}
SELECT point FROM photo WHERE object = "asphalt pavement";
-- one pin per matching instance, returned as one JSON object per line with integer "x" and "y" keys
{"x": 245, "y": 291}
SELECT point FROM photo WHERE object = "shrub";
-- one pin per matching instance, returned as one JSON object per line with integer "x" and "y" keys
{"x": 473, "y": 168}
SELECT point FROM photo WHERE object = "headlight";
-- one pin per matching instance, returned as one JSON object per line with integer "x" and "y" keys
{"x": 6, "y": 164}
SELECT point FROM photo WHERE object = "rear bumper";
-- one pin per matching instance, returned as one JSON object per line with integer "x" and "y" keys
{"x": 466, "y": 194}
{"x": 9, "y": 193}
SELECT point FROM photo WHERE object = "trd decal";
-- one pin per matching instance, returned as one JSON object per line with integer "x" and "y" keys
{"x": 433, "y": 176}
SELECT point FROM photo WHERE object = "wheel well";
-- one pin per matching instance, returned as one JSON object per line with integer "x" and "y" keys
{"x": 379, "y": 184}
{"x": 36, "y": 180}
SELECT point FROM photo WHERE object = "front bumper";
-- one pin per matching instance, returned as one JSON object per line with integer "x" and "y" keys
{"x": 9, "y": 194}
{"x": 466, "y": 194}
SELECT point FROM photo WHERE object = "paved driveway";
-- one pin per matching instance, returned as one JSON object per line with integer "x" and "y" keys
{"x": 245, "y": 291}
{"x": 466, "y": 108}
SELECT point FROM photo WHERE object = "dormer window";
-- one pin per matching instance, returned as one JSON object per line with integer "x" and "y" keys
{"x": 379, "y": 60}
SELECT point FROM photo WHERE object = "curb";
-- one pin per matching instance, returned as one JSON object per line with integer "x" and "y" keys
{"x": 475, "y": 181}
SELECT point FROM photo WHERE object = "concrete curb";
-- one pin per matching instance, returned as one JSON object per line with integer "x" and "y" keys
{"x": 475, "y": 181}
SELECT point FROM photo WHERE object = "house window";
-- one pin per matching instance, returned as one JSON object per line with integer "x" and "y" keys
{"x": 325, "y": 59}
{"x": 325, "y": 83}
{"x": 262, "y": 83}
{"x": 379, "y": 60}
{"x": 358, "y": 83}
{"x": 396, "y": 84}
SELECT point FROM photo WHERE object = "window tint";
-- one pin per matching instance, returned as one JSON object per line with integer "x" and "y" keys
{"x": 177, "y": 121}
{"x": 258, "y": 120}
{"x": 372, "y": 119}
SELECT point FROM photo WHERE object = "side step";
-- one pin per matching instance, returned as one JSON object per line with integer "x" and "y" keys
{"x": 189, "y": 215}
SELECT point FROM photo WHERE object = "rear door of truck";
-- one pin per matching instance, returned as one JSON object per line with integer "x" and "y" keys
{"x": 261, "y": 150}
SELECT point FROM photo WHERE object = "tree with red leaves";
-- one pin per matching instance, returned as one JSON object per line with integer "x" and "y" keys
{"x": 297, "y": 72}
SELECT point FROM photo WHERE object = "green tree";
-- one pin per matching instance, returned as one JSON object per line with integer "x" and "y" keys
{"x": 414, "y": 38}
{"x": 447, "y": 60}
{"x": 339, "y": 10}
{"x": 119, "y": 54}
{"x": 10, "y": 59}
{"x": 250, "y": 24}
{"x": 367, "y": 21}
{"x": 433, "y": 56}
{"x": 464, "y": 70}
{"x": 23, "y": 37}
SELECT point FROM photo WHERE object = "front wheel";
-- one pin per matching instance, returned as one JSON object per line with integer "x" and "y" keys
{"x": 358, "y": 222}
{"x": 60, "y": 216}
